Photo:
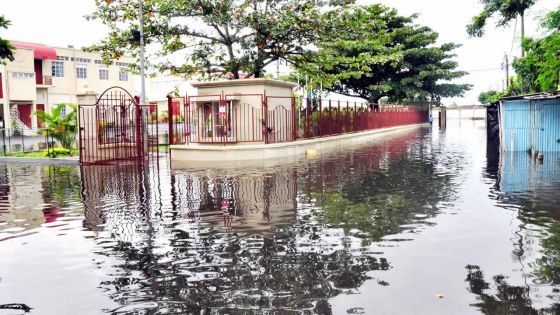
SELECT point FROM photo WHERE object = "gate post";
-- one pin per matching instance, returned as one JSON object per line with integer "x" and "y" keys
{"x": 187, "y": 120}
{"x": 80, "y": 137}
{"x": 320, "y": 118}
{"x": 170, "y": 120}
{"x": 265, "y": 116}
{"x": 294, "y": 119}
{"x": 141, "y": 130}
{"x": 308, "y": 117}
{"x": 222, "y": 120}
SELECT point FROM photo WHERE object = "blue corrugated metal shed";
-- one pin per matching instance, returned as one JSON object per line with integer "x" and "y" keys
{"x": 530, "y": 122}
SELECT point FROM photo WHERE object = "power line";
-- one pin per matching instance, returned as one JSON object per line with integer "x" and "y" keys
{"x": 478, "y": 70}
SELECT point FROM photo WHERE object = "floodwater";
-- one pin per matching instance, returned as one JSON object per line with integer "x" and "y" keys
{"x": 425, "y": 221}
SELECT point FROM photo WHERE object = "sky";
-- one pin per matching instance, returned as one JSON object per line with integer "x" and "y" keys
{"x": 61, "y": 23}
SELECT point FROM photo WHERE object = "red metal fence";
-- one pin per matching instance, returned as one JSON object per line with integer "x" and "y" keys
{"x": 118, "y": 128}
{"x": 222, "y": 119}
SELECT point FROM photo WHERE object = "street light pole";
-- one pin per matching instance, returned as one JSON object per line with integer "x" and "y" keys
{"x": 142, "y": 60}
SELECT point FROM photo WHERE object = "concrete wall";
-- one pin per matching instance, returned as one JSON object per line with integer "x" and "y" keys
{"x": 18, "y": 88}
{"x": 249, "y": 154}
{"x": 478, "y": 113}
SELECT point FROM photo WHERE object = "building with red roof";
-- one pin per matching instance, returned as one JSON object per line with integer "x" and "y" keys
{"x": 42, "y": 76}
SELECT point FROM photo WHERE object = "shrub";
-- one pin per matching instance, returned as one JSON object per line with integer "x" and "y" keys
{"x": 57, "y": 152}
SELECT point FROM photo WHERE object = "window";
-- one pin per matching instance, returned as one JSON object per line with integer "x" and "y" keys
{"x": 82, "y": 60}
{"x": 122, "y": 64}
{"x": 57, "y": 68}
{"x": 63, "y": 111}
{"x": 81, "y": 72}
{"x": 23, "y": 75}
{"x": 123, "y": 75}
{"x": 103, "y": 74}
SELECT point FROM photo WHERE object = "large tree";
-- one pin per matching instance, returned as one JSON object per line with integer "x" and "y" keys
{"x": 6, "y": 48}
{"x": 212, "y": 37}
{"x": 371, "y": 52}
{"x": 540, "y": 67}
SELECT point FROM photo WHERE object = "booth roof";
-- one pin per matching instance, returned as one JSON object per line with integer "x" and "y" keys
{"x": 243, "y": 82}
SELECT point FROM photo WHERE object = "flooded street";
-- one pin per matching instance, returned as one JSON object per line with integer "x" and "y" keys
{"x": 424, "y": 221}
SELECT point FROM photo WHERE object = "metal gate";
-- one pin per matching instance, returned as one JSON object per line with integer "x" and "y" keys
{"x": 219, "y": 118}
{"x": 116, "y": 129}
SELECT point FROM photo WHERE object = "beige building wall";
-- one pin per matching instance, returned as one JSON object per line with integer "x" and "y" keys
{"x": 20, "y": 75}
{"x": 21, "y": 93}
{"x": 65, "y": 88}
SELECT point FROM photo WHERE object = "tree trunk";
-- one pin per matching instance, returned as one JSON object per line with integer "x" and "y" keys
{"x": 229, "y": 44}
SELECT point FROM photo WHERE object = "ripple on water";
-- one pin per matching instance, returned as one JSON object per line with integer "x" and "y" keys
{"x": 281, "y": 239}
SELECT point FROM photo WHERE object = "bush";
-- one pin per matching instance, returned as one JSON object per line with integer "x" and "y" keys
{"x": 56, "y": 152}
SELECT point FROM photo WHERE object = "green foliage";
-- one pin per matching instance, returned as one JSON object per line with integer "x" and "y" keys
{"x": 61, "y": 128}
{"x": 540, "y": 66}
{"x": 6, "y": 48}
{"x": 371, "y": 52}
{"x": 52, "y": 152}
{"x": 57, "y": 152}
{"x": 379, "y": 203}
{"x": 164, "y": 115}
{"x": 507, "y": 10}
{"x": 219, "y": 37}
{"x": 61, "y": 184}
{"x": 153, "y": 118}
{"x": 489, "y": 97}
{"x": 547, "y": 267}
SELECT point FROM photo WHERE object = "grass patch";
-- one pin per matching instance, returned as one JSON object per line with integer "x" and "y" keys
{"x": 56, "y": 152}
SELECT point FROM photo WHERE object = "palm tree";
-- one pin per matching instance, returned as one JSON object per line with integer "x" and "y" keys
{"x": 60, "y": 127}
{"x": 508, "y": 11}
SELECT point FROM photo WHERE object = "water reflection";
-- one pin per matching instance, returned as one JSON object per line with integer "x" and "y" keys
{"x": 508, "y": 299}
{"x": 278, "y": 239}
{"x": 381, "y": 191}
{"x": 530, "y": 188}
{"x": 31, "y": 196}
{"x": 287, "y": 238}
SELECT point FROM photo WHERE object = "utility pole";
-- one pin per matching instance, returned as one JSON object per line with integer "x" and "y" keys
{"x": 505, "y": 66}
{"x": 142, "y": 60}
{"x": 521, "y": 83}
{"x": 142, "y": 81}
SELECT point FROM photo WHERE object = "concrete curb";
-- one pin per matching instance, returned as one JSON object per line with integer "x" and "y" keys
{"x": 32, "y": 160}
{"x": 210, "y": 155}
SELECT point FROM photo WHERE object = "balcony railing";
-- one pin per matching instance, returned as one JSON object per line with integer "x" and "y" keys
{"x": 46, "y": 80}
